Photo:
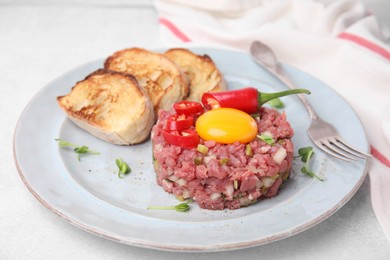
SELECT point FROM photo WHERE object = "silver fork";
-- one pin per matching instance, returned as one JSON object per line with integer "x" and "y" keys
{"x": 323, "y": 134}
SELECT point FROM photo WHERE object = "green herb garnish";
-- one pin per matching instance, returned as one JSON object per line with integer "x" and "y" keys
{"x": 235, "y": 184}
{"x": 276, "y": 103}
{"x": 248, "y": 150}
{"x": 76, "y": 148}
{"x": 266, "y": 138}
{"x": 202, "y": 149}
{"x": 182, "y": 207}
{"x": 224, "y": 161}
{"x": 123, "y": 168}
{"x": 197, "y": 161}
{"x": 306, "y": 154}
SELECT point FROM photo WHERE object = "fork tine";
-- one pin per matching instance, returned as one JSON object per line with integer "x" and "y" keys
{"x": 345, "y": 148}
{"x": 330, "y": 151}
{"x": 335, "y": 149}
{"x": 351, "y": 149}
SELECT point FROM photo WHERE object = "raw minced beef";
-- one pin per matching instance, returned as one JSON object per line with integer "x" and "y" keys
{"x": 228, "y": 175}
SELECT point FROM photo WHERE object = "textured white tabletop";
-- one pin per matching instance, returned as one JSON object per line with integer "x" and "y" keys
{"x": 40, "y": 41}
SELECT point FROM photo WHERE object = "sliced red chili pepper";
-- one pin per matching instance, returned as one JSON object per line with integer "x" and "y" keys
{"x": 188, "y": 138}
{"x": 188, "y": 108}
{"x": 179, "y": 122}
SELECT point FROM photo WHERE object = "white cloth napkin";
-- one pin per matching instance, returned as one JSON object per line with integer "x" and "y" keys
{"x": 341, "y": 44}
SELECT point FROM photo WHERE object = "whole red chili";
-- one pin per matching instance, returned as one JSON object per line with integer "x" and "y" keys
{"x": 247, "y": 99}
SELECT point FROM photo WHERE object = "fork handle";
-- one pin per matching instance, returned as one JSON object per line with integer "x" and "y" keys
{"x": 280, "y": 73}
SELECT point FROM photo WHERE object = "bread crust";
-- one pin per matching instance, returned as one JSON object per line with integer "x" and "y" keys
{"x": 111, "y": 106}
{"x": 161, "y": 78}
{"x": 200, "y": 70}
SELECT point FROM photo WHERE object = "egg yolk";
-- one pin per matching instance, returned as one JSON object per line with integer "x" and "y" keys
{"x": 226, "y": 126}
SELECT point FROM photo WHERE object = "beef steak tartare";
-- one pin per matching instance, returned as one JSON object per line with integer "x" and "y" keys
{"x": 226, "y": 175}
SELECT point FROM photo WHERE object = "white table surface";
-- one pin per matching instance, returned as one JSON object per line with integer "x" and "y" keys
{"x": 39, "y": 41}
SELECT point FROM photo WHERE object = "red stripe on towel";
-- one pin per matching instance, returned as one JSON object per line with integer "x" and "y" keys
{"x": 179, "y": 34}
{"x": 380, "y": 156}
{"x": 365, "y": 43}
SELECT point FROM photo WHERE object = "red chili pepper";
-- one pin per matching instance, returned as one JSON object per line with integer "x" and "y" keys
{"x": 179, "y": 122}
{"x": 243, "y": 99}
{"x": 188, "y": 108}
{"x": 247, "y": 99}
{"x": 188, "y": 138}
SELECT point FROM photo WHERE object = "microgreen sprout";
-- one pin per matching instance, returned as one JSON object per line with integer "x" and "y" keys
{"x": 76, "y": 148}
{"x": 182, "y": 207}
{"x": 266, "y": 138}
{"x": 306, "y": 154}
{"x": 276, "y": 103}
{"x": 123, "y": 168}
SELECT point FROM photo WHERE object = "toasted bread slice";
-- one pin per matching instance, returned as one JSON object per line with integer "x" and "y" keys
{"x": 111, "y": 106}
{"x": 201, "y": 72}
{"x": 162, "y": 79}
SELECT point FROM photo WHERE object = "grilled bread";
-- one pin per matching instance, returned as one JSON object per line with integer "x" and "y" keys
{"x": 111, "y": 106}
{"x": 201, "y": 72}
{"x": 162, "y": 79}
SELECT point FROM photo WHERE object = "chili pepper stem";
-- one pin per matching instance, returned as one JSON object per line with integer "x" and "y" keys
{"x": 265, "y": 97}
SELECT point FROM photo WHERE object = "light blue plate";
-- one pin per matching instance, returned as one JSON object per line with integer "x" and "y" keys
{"x": 89, "y": 195}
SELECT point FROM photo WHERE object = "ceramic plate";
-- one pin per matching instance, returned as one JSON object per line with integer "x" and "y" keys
{"x": 89, "y": 195}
